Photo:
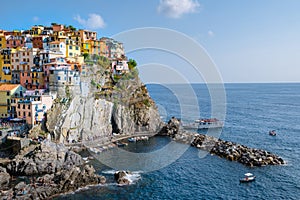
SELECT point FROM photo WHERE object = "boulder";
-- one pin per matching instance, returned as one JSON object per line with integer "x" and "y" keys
{"x": 122, "y": 177}
{"x": 4, "y": 177}
{"x": 46, "y": 159}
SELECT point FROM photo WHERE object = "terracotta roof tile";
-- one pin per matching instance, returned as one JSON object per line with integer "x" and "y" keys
{"x": 8, "y": 87}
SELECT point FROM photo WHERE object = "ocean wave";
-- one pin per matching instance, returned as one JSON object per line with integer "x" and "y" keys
{"x": 133, "y": 177}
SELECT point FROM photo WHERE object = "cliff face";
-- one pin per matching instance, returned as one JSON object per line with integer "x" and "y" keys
{"x": 102, "y": 106}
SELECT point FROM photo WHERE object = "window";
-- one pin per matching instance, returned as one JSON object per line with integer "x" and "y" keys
{"x": 24, "y": 114}
{"x": 23, "y": 106}
{"x": 58, "y": 78}
{"x": 77, "y": 48}
{"x": 70, "y": 47}
{"x": 28, "y": 107}
{"x": 8, "y": 93}
{"x": 29, "y": 114}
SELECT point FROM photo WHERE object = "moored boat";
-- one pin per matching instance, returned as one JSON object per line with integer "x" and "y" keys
{"x": 273, "y": 132}
{"x": 248, "y": 178}
{"x": 204, "y": 124}
{"x": 132, "y": 139}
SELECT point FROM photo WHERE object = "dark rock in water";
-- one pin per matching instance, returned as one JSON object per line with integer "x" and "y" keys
{"x": 4, "y": 177}
{"x": 121, "y": 177}
{"x": 170, "y": 129}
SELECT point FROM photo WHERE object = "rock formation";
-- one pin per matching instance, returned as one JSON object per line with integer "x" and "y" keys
{"x": 225, "y": 149}
{"x": 122, "y": 177}
{"x": 102, "y": 106}
{"x": 53, "y": 184}
{"x": 46, "y": 159}
{"x": 52, "y": 169}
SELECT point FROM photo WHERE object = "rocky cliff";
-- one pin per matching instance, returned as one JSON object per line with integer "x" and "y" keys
{"x": 102, "y": 105}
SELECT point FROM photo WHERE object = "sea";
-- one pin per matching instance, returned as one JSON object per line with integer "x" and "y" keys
{"x": 252, "y": 110}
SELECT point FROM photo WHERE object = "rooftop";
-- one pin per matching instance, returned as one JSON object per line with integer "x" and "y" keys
{"x": 8, "y": 87}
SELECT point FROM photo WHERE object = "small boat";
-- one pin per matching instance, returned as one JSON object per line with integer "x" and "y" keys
{"x": 120, "y": 144}
{"x": 248, "y": 178}
{"x": 204, "y": 124}
{"x": 132, "y": 139}
{"x": 273, "y": 132}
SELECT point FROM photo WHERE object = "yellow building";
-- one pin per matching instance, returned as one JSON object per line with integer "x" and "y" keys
{"x": 2, "y": 40}
{"x": 7, "y": 93}
{"x": 5, "y": 65}
{"x": 36, "y": 30}
{"x": 103, "y": 48}
{"x": 38, "y": 80}
{"x": 87, "y": 35}
{"x": 85, "y": 47}
{"x": 94, "y": 47}
{"x": 73, "y": 50}
{"x": 59, "y": 36}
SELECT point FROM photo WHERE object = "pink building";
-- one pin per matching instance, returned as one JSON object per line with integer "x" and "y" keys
{"x": 33, "y": 108}
{"x": 15, "y": 41}
{"x": 55, "y": 63}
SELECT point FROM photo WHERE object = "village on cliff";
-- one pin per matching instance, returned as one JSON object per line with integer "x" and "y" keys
{"x": 34, "y": 62}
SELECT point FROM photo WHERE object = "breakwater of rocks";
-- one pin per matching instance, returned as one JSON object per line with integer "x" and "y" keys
{"x": 236, "y": 152}
{"x": 230, "y": 150}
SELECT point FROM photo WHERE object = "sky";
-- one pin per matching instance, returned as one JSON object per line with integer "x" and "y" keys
{"x": 249, "y": 41}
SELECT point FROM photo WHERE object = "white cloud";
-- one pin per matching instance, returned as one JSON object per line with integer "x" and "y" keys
{"x": 94, "y": 21}
{"x": 177, "y": 8}
{"x": 211, "y": 33}
{"x": 35, "y": 18}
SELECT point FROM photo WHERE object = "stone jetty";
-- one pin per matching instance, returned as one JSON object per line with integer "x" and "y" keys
{"x": 236, "y": 152}
{"x": 225, "y": 149}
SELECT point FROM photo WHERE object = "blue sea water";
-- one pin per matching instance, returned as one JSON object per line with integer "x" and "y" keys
{"x": 251, "y": 111}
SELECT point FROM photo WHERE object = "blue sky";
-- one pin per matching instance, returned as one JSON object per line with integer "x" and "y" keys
{"x": 249, "y": 41}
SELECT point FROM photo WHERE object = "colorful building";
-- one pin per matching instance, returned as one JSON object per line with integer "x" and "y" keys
{"x": 58, "y": 46}
{"x": 87, "y": 35}
{"x": 15, "y": 41}
{"x": 5, "y": 65}
{"x": 72, "y": 49}
{"x": 95, "y": 47}
{"x": 34, "y": 106}
{"x": 2, "y": 40}
{"x": 37, "y": 42}
{"x": 7, "y": 93}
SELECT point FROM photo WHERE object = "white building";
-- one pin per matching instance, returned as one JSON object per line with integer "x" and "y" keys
{"x": 57, "y": 46}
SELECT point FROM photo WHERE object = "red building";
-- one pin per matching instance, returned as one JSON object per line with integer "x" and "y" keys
{"x": 37, "y": 42}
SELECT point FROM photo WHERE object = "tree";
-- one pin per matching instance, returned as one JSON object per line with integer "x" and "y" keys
{"x": 71, "y": 28}
{"x": 86, "y": 56}
{"x": 131, "y": 64}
